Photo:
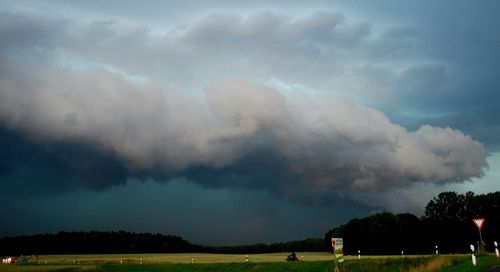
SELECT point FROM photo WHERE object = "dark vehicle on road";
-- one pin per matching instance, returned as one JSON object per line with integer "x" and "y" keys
{"x": 292, "y": 257}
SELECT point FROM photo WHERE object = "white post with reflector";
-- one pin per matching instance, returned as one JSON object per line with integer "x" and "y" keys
{"x": 496, "y": 248}
{"x": 474, "y": 262}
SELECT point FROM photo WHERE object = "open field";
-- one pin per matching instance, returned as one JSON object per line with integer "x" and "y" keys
{"x": 190, "y": 258}
{"x": 182, "y": 258}
{"x": 185, "y": 258}
{"x": 258, "y": 263}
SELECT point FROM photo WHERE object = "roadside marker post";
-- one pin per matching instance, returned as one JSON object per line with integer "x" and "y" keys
{"x": 437, "y": 252}
{"x": 474, "y": 262}
{"x": 496, "y": 248}
{"x": 359, "y": 254}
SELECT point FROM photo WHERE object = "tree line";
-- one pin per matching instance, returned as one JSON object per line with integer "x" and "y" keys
{"x": 447, "y": 223}
{"x": 93, "y": 242}
{"x": 96, "y": 242}
{"x": 308, "y": 245}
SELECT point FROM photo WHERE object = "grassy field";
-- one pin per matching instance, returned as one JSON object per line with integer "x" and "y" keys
{"x": 190, "y": 258}
{"x": 484, "y": 263}
{"x": 179, "y": 258}
{"x": 316, "y": 262}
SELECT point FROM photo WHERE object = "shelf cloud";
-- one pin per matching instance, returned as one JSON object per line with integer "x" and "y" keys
{"x": 61, "y": 84}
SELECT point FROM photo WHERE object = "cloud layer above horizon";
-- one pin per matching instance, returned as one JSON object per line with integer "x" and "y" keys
{"x": 225, "y": 102}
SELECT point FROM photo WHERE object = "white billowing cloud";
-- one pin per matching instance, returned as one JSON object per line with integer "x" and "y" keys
{"x": 413, "y": 198}
{"x": 320, "y": 144}
{"x": 323, "y": 144}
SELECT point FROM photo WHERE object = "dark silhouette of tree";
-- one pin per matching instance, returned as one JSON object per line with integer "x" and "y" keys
{"x": 93, "y": 242}
{"x": 382, "y": 233}
{"x": 127, "y": 242}
{"x": 447, "y": 222}
{"x": 449, "y": 219}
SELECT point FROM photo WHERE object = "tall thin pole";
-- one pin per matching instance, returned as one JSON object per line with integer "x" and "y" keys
{"x": 481, "y": 239}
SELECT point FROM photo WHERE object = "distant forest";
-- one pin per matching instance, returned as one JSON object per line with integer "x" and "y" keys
{"x": 95, "y": 242}
{"x": 447, "y": 223}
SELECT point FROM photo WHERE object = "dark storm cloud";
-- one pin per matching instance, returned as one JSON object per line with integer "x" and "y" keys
{"x": 23, "y": 31}
{"x": 338, "y": 145}
{"x": 481, "y": 121}
{"x": 226, "y": 45}
{"x": 33, "y": 168}
{"x": 463, "y": 42}
{"x": 76, "y": 87}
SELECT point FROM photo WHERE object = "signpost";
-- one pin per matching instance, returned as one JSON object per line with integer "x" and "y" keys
{"x": 338, "y": 251}
{"x": 496, "y": 248}
{"x": 479, "y": 224}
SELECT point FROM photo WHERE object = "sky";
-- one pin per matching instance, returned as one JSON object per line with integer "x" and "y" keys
{"x": 242, "y": 122}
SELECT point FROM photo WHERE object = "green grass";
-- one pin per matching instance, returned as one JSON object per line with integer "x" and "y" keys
{"x": 314, "y": 262}
{"x": 179, "y": 258}
{"x": 464, "y": 263}
{"x": 313, "y": 266}
{"x": 189, "y": 257}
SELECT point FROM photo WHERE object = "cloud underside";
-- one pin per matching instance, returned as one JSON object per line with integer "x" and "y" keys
{"x": 237, "y": 133}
